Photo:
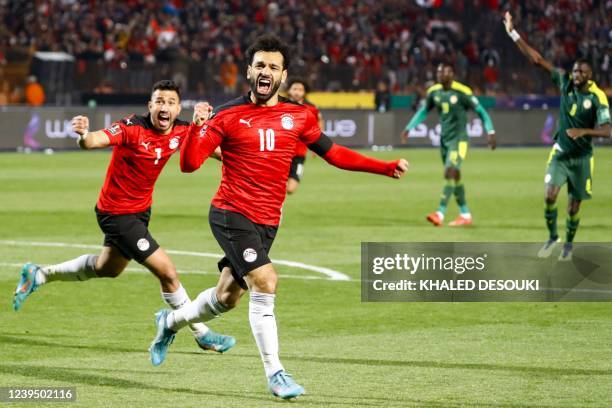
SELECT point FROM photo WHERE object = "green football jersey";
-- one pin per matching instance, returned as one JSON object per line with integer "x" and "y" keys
{"x": 452, "y": 106}
{"x": 578, "y": 110}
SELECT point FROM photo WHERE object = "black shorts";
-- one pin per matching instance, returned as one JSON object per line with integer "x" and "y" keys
{"x": 246, "y": 244}
{"x": 297, "y": 167}
{"x": 129, "y": 233}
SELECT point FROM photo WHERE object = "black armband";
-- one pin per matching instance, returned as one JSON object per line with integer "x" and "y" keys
{"x": 322, "y": 145}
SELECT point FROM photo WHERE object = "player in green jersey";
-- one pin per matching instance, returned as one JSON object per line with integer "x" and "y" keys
{"x": 452, "y": 100}
{"x": 583, "y": 114}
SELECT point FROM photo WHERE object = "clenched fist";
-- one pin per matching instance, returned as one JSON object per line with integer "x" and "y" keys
{"x": 401, "y": 168}
{"x": 201, "y": 113}
{"x": 80, "y": 125}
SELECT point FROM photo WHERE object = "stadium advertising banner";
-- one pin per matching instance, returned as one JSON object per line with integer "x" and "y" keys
{"x": 49, "y": 127}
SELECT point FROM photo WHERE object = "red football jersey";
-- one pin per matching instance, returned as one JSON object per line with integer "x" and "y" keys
{"x": 301, "y": 149}
{"x": 258, "y": 143}
{"x": 139, "y": 155}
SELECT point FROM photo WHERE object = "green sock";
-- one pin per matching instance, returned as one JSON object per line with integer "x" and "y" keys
{"x": 550, "y": 213}
{"x": 571, "y": 225}
{"x": 460, "y": 197}
{"x": 447, "y": 192}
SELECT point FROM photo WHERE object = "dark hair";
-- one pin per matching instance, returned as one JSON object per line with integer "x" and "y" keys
{"x": 271, "y": 43}
{"x": 166, "y": 85}
{"x": 297, "y": 80}
{"x": 585, "y": 62}
{"x": 448, "y": 64}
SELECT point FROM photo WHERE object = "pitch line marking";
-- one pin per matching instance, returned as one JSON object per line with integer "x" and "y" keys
{"x": 329, "y": 273}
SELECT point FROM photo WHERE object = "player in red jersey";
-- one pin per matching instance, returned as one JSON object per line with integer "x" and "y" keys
{"x": 142, "y": 146}
{"x": 257, "y": 134}
{"x": 297, "y": 89}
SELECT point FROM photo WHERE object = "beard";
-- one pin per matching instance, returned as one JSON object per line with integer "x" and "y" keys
{"x": 264, "y": 97}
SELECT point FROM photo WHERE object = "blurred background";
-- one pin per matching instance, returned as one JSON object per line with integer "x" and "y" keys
{"x": 68, "y": 53}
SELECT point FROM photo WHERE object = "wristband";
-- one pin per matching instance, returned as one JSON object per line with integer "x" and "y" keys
{"x": 514, "y": 35}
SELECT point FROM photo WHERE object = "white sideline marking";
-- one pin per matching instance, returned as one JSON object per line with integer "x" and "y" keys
{"x": 183, "y": 272}
{"x": 329, "y": 273}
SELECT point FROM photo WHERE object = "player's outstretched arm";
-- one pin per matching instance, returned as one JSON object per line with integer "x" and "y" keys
{"x": 531, "y": 54}
{"x": 198, "y": 146}
{"x": 348, "y": 159}
{"x": 416, "y": 119}
{"x": 88, "y": 140}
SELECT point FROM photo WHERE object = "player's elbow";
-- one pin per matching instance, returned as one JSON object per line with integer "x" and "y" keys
{"x": 189, "y": 166}
{"x": 186, "y": 168}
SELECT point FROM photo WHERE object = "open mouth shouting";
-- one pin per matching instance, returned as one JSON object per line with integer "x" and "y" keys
{"x": 163, "y": 118}
{"x": 264, "y": 84}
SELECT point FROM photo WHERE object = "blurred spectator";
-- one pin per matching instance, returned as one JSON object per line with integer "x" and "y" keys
{"x": 5, "y": 93}
{"x": 382, "y": 97}
{"x": 104, "y": 88}
{"x": 229, "y": 75}
{"x": 34, "y": 92}
{"x": 491, "y": 76}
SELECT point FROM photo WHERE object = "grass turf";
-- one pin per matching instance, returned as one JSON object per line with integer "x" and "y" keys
{"x": 94, "y": 335}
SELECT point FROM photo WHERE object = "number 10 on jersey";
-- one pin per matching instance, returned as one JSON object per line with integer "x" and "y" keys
{"x": 266, "y": 140}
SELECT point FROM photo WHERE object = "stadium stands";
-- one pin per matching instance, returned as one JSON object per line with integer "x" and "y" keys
{"x": 340, "y": 44}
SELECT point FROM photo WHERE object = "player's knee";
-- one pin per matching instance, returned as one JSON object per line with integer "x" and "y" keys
{"x": 573, "y": 208}
{"x": 265, "y": 283}
{"x": 168, "y": 276}
{"x": 228, "y": 299}
{"x": 108, "y": 270}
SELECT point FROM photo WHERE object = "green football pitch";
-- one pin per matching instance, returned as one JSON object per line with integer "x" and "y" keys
{"x": 94, "y": 335}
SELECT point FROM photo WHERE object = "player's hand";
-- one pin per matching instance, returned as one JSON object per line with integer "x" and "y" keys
{"x": 492, "y": 141}
{"x": 576, "y": 133}
{"x": 405, "y": 135}
{"x": 401, "y": 168}
{"x": 80, "y": 125}
{"x": 201, "y": 113}
{"x": 508, "y": 22}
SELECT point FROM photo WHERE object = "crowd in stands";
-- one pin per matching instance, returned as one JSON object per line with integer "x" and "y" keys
{"x": 338, "y": 44}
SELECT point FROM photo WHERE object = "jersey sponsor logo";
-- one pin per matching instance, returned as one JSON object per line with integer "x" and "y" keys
{"x": 114, "y": 130}
{"x": 249, "y": 255}
{"x": 453, "y": 99}
{"x": 174, "y": 142}
{"x": 143, "y": 244}
{"x": 146, "y": 145}
{"x": 246, "y": 122}
{"x": 547, "y": 178}
{"x": 287, "y": 121}
{"x": 203, "y": 130}
{"x": 587, "y": 104}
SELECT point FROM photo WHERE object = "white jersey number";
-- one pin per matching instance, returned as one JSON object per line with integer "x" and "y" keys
{"x": 158, "y": 151}
{"x": 266, "y": 140}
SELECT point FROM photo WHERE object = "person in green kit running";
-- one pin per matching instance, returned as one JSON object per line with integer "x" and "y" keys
{"x": 452, "y": 100}
{"x": 583, "y": 114}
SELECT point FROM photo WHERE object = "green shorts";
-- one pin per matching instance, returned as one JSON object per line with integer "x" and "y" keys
{"x": 577, "y": 172}
{"x": 453, "y": 153}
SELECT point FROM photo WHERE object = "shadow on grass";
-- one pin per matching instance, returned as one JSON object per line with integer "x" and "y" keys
{"x": 554, "y": 371}
{"x": 71, "y": 375}
{"x": 26, "y": 340}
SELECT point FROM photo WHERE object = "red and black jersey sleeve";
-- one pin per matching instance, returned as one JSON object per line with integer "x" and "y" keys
{"x": 120, "y": 133}
{"x": 201, "y": 142}
{"x": 312, "y": 131}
